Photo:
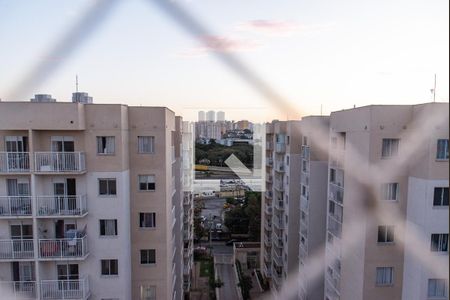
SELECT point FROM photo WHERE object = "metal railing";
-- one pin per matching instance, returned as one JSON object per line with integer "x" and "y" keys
{"x": 63, "y": 248}
{"x": 18, "y": 289}
{"x": 67, "y": 205}
{"x": 279, "y": 166}
{"x": 279, "y": 185}
{"x": 280, "y": 147}
{"x": 12, "y": 162}
{"x": 60, "y": 161}
{"x": 15, "y": 206}
{"x": 65, "y": 289}
{"x": 16, "y": 249}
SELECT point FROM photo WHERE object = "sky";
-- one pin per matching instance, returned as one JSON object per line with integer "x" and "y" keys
{"x": 320, "y": 56}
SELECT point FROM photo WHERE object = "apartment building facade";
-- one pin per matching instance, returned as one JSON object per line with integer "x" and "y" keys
{"x": 388, "y": 203}
{"x": 90, "y": 201}
{"x": 280, "y": 222}
{"x": 313, "y": 203}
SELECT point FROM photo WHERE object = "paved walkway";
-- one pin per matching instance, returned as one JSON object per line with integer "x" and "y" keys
{"x": 225, "y": 271}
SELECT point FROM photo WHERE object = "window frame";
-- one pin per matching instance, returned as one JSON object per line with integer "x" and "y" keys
{"x": 109, "y": 267}
{"x": 385, "y": 234}
{"x": 445, "y": 151}
{"x": 442, "y": 240}
{"x": 108, "y": 180}
{"x": 100, "y": 140}
{"x": 441, "y": 196}
{"x": 151, "y": 144}
{"x": 390, "y": 150}
{"x": 384, "y": 269}
{"x": 147, "y": 183}
{"x": 437, "y": 281}
{"x": 104, "y": 235}
{"x": 387, "y": 190}
{"x": 142, "y": 219}
{"x": 147, "y": 261}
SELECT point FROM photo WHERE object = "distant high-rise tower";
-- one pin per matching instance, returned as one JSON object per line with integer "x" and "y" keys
{"x": 80, "y": 97}
{"x": 42, "y": 98}
{"x": 201, "y": 116}
{"x": 220, "y": 116}
{"x": 211, "y": 116}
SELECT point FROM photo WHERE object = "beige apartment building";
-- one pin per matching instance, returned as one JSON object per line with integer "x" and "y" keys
{"x": 91, "y": 201}
{"x": 313, "y": 202}
{"x": 280, "y": 217}
{"x": 387, "y": 225}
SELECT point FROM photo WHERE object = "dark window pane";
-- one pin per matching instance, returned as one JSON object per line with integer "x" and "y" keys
{"x": 437, "y": 196}
{"x": 381, "y": 234}
{"x": 102, "y": 227}
{"x": 390, "y": 234}
{"x": 112, "y": 187}
{"x": 103, "y": 187}
{"x": 445, "y": 200}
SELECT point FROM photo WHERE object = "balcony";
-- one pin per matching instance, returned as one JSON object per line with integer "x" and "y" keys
{"x": 268, "y": 226}
{"x": 14, "y": 249}
{"x": 279, "y": 186}
{"x": 19, "y": 289}
{"x": 305, "y": 152}
{"x": 279, "y": 166}
{"x": 267, "y": 270}
{"x": 65, "y": 289}
{"x": 268, "y": 210}
{"x": 278, "y": 259}
{"x": 63, "y": 249}
{"x": 55, "y": 206}
{"x": 278, "y": 242}
{"x": 268, "y": 194}
{"x": 14, "y": 162}
{"x": 268, "y": 178}
{"x": 278, "y": 223}
{"x": 279, "y": 205}
{"x": 269, "y": 146}
{"x": 60, "y": 162}
{"x": 269, "y": 162}
{"x": 15, "y": 206}
{"x": 280, "y": 147}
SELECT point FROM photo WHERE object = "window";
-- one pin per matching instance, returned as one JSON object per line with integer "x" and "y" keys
{"x": 147, "y": 220}
{"x": 385, "y": 276}
{"x": 105, "y": 144}
{"x": 108, "y": 227}
{"x": 110, "y": 267}
{"x": 146, "y": 144}
{"x": 303, "y": 190}
{"x": 288, "y": 139}
{"x": 148, "y": 256}
{"x": 442, "y": 149}
{"x": 385, "y": 234}
{"x": 332, "y": 175}
{"x": 440, "y": 196}
{"x": 439, "y": 242}
{"x": 148, "y": 292}
{"x": 389, "y": 148}
{"x": 146, "y": 182}
{"x": 437, "y": 288}
{"x": 107, "y": 186}
{"x": 389, "y": 191}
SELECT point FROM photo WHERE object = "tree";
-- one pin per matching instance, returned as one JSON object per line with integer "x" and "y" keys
{"x": 253, "y": 211}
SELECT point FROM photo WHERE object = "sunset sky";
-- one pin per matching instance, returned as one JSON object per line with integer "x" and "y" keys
{"x": 331, "y": 53}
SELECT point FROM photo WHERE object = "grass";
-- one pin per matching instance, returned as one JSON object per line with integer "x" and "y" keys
{"x": 205, "y": 266}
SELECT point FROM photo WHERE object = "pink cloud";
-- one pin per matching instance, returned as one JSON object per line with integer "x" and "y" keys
{"x": 270, "y": 27}
{"x": 221, "y": 44}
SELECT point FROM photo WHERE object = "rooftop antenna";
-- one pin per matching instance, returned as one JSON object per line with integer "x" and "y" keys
{"x": 76, "y": 83}
{"x": 434, "y": 89}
